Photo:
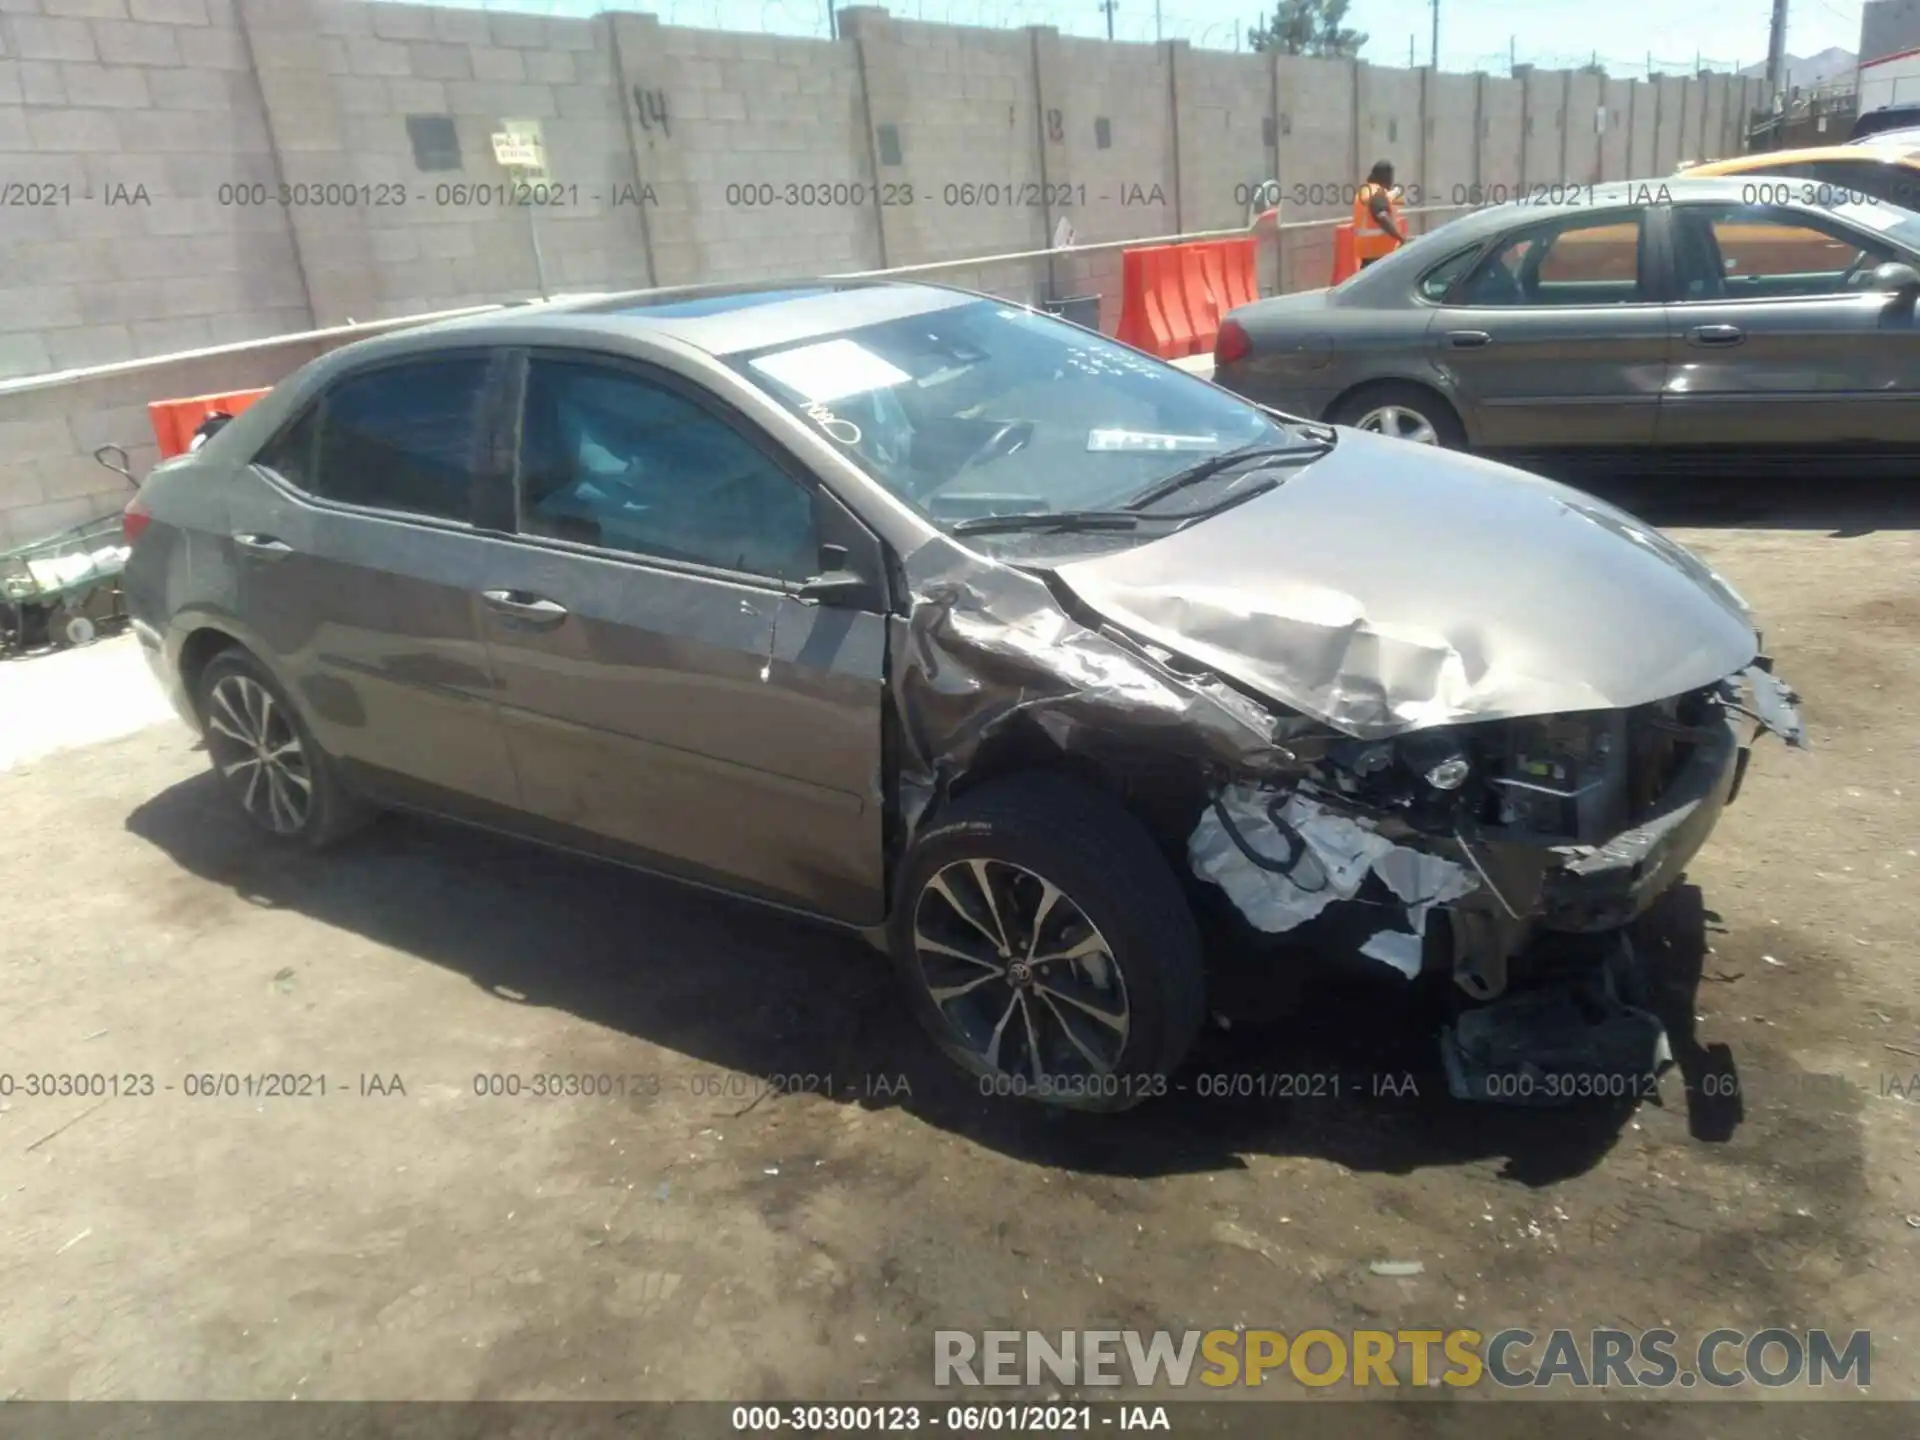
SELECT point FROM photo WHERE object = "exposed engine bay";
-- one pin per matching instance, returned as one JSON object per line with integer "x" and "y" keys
{"x": 1574, "y": 823}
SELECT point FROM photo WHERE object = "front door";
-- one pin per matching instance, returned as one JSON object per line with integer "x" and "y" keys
{"x": 665, "y": 694}
{"x": 1779, "y": 339}
{"x": 1556, "y": 340}
{"x": 357, "y": 560}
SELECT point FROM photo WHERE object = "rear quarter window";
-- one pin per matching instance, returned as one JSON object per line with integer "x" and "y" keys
{"x": 1435, "y": 284}
{"x": 290, "y": 453}
{"x": 407, "y": 438}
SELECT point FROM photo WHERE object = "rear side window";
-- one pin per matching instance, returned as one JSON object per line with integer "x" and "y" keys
{"x": 406, "y": 438}
{"x": 1578, "y": 260}
{"x": 1435, "y": 284}
{"x": 290, "y": 453}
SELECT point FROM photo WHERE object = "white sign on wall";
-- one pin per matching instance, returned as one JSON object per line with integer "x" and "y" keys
{"x": 518, "y": 145}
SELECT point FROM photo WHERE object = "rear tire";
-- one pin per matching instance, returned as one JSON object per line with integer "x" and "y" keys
{"x": 67, "y": 627}
{"x": 1047, "y": 946}
{"x": 1402, "y": 411}
{"x": 282, "y": 782}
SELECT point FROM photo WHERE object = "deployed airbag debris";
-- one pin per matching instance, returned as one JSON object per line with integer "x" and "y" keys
{"x": 1283, "y": 858}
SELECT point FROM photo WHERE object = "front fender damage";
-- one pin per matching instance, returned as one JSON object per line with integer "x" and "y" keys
{"x": 1568, "y": 823}
{"x": 988, "y": 648}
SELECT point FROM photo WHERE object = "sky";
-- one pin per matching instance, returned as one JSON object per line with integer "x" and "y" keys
{"x": 1474, "y": 34}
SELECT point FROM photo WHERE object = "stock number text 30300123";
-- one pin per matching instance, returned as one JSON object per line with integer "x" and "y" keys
{"x": 1012, "y": 1419}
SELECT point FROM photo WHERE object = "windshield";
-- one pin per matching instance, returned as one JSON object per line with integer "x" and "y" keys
{"x": 987, "y": 409}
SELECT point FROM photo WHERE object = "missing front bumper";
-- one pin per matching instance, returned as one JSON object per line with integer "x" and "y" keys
{"x": 1283, "y": 856}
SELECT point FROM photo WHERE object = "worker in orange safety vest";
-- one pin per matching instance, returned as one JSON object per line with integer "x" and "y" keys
{"x": 1378, "y": 228}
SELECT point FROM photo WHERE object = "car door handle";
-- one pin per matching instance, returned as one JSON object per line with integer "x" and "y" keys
{"x": 1716, "y": 335}
{"x": 265, "y": 546}
{"x": 518, "y": 605}
{"x": 1468, "y": 339}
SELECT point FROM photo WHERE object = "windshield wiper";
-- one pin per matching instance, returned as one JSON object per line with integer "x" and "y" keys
{"x": 1214, "y": 464}
{"x": 1046, "y": 520}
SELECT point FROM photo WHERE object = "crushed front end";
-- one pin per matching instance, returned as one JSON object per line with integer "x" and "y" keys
{"x": 1502, "y": 831}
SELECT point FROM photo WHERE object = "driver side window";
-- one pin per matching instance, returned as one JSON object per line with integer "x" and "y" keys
{"x": 609, "y": 459}
{"x": 1577, "y": 260}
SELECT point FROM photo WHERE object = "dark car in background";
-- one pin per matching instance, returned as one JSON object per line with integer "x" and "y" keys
{"x": 918, "y": 613}
{"x": 1885, "y": 120}
{"x": 1683, "y": 321}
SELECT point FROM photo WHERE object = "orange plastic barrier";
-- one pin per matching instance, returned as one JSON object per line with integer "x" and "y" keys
{"x": 174, "y": 421}
{"x": 1345, "y": 261}
{"x": 1173, "y": 297}
{"x": 1237, "y": 261}
{"x": 1132, "y": 329}
{"x": 1166, "y": 306}
{"x": 1203, "y": 315}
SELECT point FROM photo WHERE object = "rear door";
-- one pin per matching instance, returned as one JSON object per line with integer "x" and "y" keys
{"x": 1779, "y": 339}
{"x": 666, "y": 695}
{"x": 1557, "y": 339}
{"x": 358, "y": 562}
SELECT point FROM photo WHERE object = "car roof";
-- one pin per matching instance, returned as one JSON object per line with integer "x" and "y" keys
{"x": 719, "y": 320}
{"x": 1887, "y": 148}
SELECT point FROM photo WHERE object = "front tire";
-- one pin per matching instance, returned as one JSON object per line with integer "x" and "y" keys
{"x": 1047, "y": 946}
{"x": 283, "y": 783}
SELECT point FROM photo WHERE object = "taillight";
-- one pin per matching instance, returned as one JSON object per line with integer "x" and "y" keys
{"x": 134, "y": 520}
{"x": 1231, "y": 344}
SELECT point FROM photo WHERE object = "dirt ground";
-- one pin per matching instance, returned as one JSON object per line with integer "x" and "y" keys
{"x": 402, "y": 1237}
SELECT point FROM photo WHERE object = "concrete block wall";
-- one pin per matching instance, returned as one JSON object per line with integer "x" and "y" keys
{"x": 1617, "y": 98}
{"x": 379, "y": 236}
{"x": 117, "y": 118}
{"x": 48, "y": 478}
{"x": 1453, "y": 152}
{"x": 1503, "y": 139}
{"x": 217, "y": 170}
{"x": 761, "y": 165}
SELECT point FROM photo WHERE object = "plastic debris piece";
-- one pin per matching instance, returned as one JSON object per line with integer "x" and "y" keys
{"x": 1531, "y": 1047}
{"x": 1283, "y": 858}
{"x": 1396, "y": 948}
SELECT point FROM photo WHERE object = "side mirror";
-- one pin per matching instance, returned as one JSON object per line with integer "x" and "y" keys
{"x": 1898, "y": 279}
{"x": 839, "y": 588}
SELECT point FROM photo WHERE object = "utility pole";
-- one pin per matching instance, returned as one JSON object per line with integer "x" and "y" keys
{"x": 1433, "y": 55}
{"x": 1109, "y": 6}
{"x": 1156, "y": 22}
{"x": 1777, "y": 54}
{"x": 1513, "y": 54}
{"x": 1409, "y": 52}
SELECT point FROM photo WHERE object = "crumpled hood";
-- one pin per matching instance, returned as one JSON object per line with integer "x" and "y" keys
{"x": 1390, "y": 587}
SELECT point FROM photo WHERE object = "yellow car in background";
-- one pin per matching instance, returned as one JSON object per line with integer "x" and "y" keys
{"x": 1886, "y": 169}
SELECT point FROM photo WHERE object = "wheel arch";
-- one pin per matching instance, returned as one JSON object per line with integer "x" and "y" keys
{"x": 1427, "y": 386}
{"x": 197, "y": 651}
{"x": 1164, "y": 793}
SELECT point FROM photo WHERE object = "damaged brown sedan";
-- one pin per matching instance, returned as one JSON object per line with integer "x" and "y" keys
{"x": 1062, "y": 674}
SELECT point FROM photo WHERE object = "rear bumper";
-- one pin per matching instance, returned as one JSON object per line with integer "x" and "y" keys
{"x": 162, "y": 662}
